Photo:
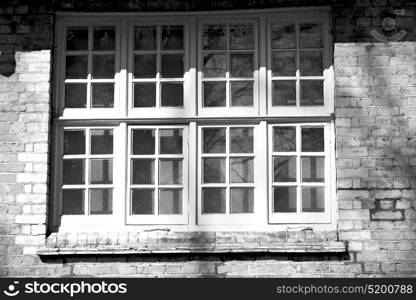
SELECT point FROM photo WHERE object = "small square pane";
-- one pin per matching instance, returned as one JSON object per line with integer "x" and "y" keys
{"x": 242, "y": 93}
{"x": 313, "y": 139}
{"x": 170, "y": 141}
{"x": 241, "y": 140}
{"x": 77, "y": 38}
{"x": 73, "y": 202}
{"x": 101, "y": 141}
{"x": 101, "y": 171}
{"x": 284, "y": 63}
{"x": 313, "y": 169}
{"x": 311, "y": 63}
{"x": 170, "y": 201}
{"x": 284, "y": 169}
{"x": 242, "y": 170}
{"x": 172, "y": 94}
{"x": 144, "y": 95}
{"x": 172, "y": 37}
{"x": 312, "y": 92}
{"x": 172, "y": 65}
{"x": 170, "y": 171}
{"x": 213, "y": 200}
{"x": 76, "y": 67}
{"x": 73, "y": 171}
{"x": 241, "y": 36}
{"x": 310, "y": 36}
{"x": 215, "y": 65}
{"x": 142, "y": 202}
{"x": 143, "y": 171}
{"x": 213, "y": 140}
{"x": 102, "y": 95}
{"x": 103, "y": 66}
{"x": 242, "y": 200}
{"x": 215, "y": 37}
{"x": 241, "y": 65}
{"x": 143, "y": 141}
{"x": 284, "y": 199}
{"x": 283, "y": 36}
{"x": 104, "y": 38}
{"x": 214, "y": 170}
{"x": 75, "y": 95}
{"x": 284, "y": 93}
{"x": 145, "y": 38}
{"x": 313, "y": 199}
{"x": 284, "y": 139}
{"x": 214, "y": 94}
{"x": 144, "y": 66}
{"x": 101, "y": 201}
{"x": 74, "y": 142}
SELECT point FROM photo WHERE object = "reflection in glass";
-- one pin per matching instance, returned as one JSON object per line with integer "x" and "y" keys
{"x": 311, "y": 92}
{"x": 241, "y": 36}
{"x": 76, "y": 67}
{"x": 313, "y": 199}
{"x": 215, "y": 65}
{"x": 170, "y": 201}
{"x": 284, "y": 199}
{"x": 101, "y": 201}
{"x": 213, "y": 200}
{"x": 284, "y": 93}
{"x": 73, "y": 202}
{"x": 241, "y": 170}
{"x": 241, "y": 65}
{"x": 213, "y": 140}
{"x": 104, "y": 38}
{"x": 144, "y": 66}
{"x": 75, "y": 95}
{"x": 310, "y": 36}
{"x": 77, "y": 38}
{"x": 74, "y": 142}
{"x": 284, "y": 139}
{"x": 283, "y": 36}
{"x": 145, "y": 38}
{"x": 214, "y": 37}
{"x": 73, "y": 171}
{"x": 101, "y": 171}
{"x": 214, "y": 94}
{"x": 172, "y": 37}
{"x": 313, "y": 139}
{"x": 143, "y": 171}
{"x": 284, "y": 63}
{"x": 242, "y": 200}
{"x": 242, "y": 93}
{"x": 170, "y": 141}
{"x": 214, "y": 170}
{"x": 103, "y": 66}
{"x": 313, "y": 169}
{"x": 144, "y": 95}
{"x": 284, "y": 169}
{"x": 142, "y": 201}
{"x": 101, "y": 141}
{"x": 170, "y": 171}
{"x": 311, "y": 63}
{"x": 241, "y": 140}
{"x": 102, "y": 94}
{"x": 143, "y": 141}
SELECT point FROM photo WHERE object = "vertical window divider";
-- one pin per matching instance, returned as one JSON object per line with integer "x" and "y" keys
{"x": 298, "y": 88}
{"x": 156, "y": 179}
{"x": 87, "y": 171}
{"x": 298, "y": 170}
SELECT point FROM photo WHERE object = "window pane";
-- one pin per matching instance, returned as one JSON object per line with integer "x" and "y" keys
{"x": 215, "y": 65}
{"x": 241, "y": 169}
{"x": 241, "y": 36}
{"x": 73, "y": 170}
{"x": 242, "y": 93}
{"x": 101, "y": 171}
{"x": 170, "y": 202}
{"x": 312, "y": 92}
{"x": 213, "y": 200}
{"x": 214, "y": 37}
{"x": 313, "y": 199}
{"x": 73, "y": 202}
{"x": 242, "y": 200}
{"x": 172, "y": 65}
{"x": 241, "y": 65}
{"x": 170, "y": 141}
{"x": 284, "y": 63}
{"x": 76, "y": 67}
{"x": 145, "y": 66}
{"x": 101, "y": 141}
{"x": 172, "y": 37}
{"x": 103, "y": 66}
{"x": 102, "y": 95}
{"x": 214, "y": 170}
{"x": 283, "y": 36}
{"x": 284, "y": 92}
{"x": 143, "y": 141}
{"x": 75, "y": 95}
{"x": 284, "y": 199}
{"x": 311, "y": 63}
{"x": 74, "y": 142}
{"x": 172, "y": 94}
{"x": 313, "y": 169}
{"x": 313, "y": 139}
{"x": 145, "y": 38}
{"x": 104, "y": 38}
{"x": 101, "y": 201}
{"x": 170, "y": 171}
{"x": 143, "y": 171}
{"x": 241, "y": 140}
{"x": 144, "y": 95}
{"x": 142, "y": 201}
{"x": 214, "y": 94}
{"x": 310, "y": 36}
{"x": 284, "y": 139}
{"x": 213, "y": 140}
{"x": 284, "y": 169}
{"x": 77, "y": 38}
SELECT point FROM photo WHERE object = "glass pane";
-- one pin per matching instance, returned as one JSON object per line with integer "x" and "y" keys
{"x": 284, "y": 92}
{"x": 241, "y": 140}
{"x": 74, "y": 142}
{"x": 172, "y": 65}
{"x": 215, "y": 65}
{"x": 284, "y": 199}
{"x": 76, "y": 67}
{"x": 284, "y": 63}
{"x": 172, "y": 37}
{"x": 172, "y": 94}
{"x": 312, "y": 92}
{"x": 283, "y": 36}
{"x": 313, "y": 169}
{"x": 170, "y": 171}
{"x": 311, "y": 63}
{"x": 103, "y": 66}
{"x": 241, "y": 65}
{"x": 104, "y": 38}
{"x": 241, "y": 169}
{"x": 102, "y": 95}
{"x": 284, "y": 139}
{"x": 170, "y": 141}
{"x": 242, "y": 93}
{"x": 242, "y": 200}
{"x": 142, "y": 202}
{"x": 241, "y": 36}
{"x": 214, "y": 170}
{"x": 101, "y": 201}
{"x": 214, "y": 37}
{"x": 213, "y": 140}
{"x": 73, "y": 202}
{"x": 214, "y": 94}
{"x": 313, "y": 139}
{"x": 143, "y": 171}
{"x": 313, "y": 199}
{"x": 170, "y": 202}
{"x": 213, "y": 200}
{"x": 144, "y": 95}
{"x": 77, "y": 38}
{"x": 145, "y": 66}
{"x": 145, "y": 38}
{"x": 143, "y": 141}
{"x": 101, "y": 141}
{"x": 101, "y": 171}
{"x": 74, "y": 171}
{"x": 75, "y": 95}
{"x": 284, "y": 169}
{"x": 310, "y": 36}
